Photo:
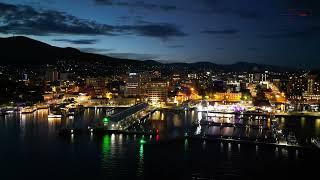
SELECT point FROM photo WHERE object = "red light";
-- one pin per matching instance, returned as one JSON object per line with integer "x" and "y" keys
{"x": 303, "y": 14}
{"x": 157, "y": 138}
{"x": 157, "y": 130}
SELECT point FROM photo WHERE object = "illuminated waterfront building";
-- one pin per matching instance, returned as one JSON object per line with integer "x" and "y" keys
{"x": 157, "y": 91}
{"x": 296, "y": 87}
{"x": 312, "y": 94}
{"x": 313, "y": 85}
{"x": 227, "y": 97}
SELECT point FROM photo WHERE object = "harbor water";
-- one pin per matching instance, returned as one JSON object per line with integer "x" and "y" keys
{"x": 32, "y": 149}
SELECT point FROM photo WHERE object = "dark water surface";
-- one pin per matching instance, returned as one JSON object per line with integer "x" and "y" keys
{"x": 31, "y": 149}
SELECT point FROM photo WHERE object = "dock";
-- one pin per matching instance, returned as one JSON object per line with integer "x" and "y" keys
{"x": 248, "y": 142}
{"x": 103, "y": 131}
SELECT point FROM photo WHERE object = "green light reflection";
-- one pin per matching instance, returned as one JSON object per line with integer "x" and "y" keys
{"x": 186, "y": 144}
{"x": 106, "y": 144}
{"x": 141, "y": 161}
{"x": 141, "y": 152}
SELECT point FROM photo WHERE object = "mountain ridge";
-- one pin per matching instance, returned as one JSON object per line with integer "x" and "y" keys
{"x": 25, "y": 50}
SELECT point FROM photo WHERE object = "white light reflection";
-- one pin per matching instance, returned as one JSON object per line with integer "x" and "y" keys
{"x": 221, "y": 147}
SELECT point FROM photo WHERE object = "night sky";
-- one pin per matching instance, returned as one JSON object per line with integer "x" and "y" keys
{"x": 279, "y": 32}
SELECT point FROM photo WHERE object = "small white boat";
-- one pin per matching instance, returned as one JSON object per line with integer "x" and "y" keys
{"x": 316, "y": 142}
{"x": 54, "y": 116}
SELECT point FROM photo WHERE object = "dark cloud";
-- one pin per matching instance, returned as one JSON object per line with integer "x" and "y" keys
{"x": 130, "y": 17}
{"x": 78, "y": 41}
{"x": 137, "y": 4}
{"x": 209, "y": 6}
{"x": 309, "y": 5}
{"x": 104, "y": 2}
{"x": 136, "y": 56}
{"x": 221, "y": 32}
{"x": 160, "y": 30}
{"x": 253, "y": 49}
{"x": 305, "y": 33}
{"x": 230, "y": 7}
{"x": 176, "y": 46}
{"x": 21, "y": 19}
{"x": 96, "y": 50}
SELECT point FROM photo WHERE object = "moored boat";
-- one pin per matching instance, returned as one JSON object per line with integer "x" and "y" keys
{"x": 28, "y": 109}
{"x": 54, "y": 116}
{"x": 291, "y": 138}
{"x": 316, "y": 142}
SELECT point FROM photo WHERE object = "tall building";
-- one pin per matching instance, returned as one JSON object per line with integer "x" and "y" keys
{"x": 157, "y": 91}
{"x": 312, "y": 93}
{"x": 65, "y": 76}
{"x": 251, "y": 78}
{"x": 264, "y": 76}
{"x": 133, "y": 85}
{"x": 219, "y": 85}
{"x": 311, "y": 84}
{"x": 52, "y": 75}
{"x": 296, "y": 87}
{"x": 257, "y": 77}
{"x": 233, "y": 86}
{"x": 99, "y": 86}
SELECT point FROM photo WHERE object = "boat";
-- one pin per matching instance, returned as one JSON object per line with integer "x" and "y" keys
{"x": 291, "y": 138}
{"x": 71, "y": 112}
{"x": 54, "y": 116}
{"x": 316, "y": 142}
{"x": 42, "y": 106}
{"x": 28, "y": 109}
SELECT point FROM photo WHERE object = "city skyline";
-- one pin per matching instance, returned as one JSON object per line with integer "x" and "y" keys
{"x": 222, "y": 32}
{"x": 159, "y": 89}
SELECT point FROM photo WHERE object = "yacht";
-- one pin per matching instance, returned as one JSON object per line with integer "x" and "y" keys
{"x": 54, "y": 116}
{"x": 291, "y": 138}
{"x": 316, "y": 142}
{"x": 28, "y": 109}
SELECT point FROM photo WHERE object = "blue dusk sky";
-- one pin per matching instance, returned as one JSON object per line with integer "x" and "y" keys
{"x": 278, "y": 32}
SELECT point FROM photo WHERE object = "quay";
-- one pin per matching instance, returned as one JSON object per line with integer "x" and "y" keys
{"x": 128, "y": 117}
{"x": 103, "y": 131}
{"x": 283, "y": 114}
{"x": 248, "y": 142}
{"x": 120, "y": 123}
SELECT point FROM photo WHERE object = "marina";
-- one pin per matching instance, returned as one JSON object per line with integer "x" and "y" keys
{"x": 169, "y": 128}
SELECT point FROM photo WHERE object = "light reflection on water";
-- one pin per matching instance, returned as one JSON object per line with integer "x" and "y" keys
{"x": 317, "y": 127}
{"x": 123, "y": 156}
{"x": 141, "y": 162}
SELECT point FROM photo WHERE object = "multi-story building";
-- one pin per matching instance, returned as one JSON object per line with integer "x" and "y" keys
{"x": 227, "y": 97}
{"x": 52, "y": 75}
{"x": 258, "y": 77}
{"x": 233, "y": 86}
{"x": 133, "y": 85}
{"x": 264, "y": 76}
{"x": 157, "y": 91}
{"x": 296, "y": 87}
{"x": 99, "y": 86}
{"x": 219, "y": 85}
{"x": 312, "y": 93}
{"x": 313, "y": 85}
